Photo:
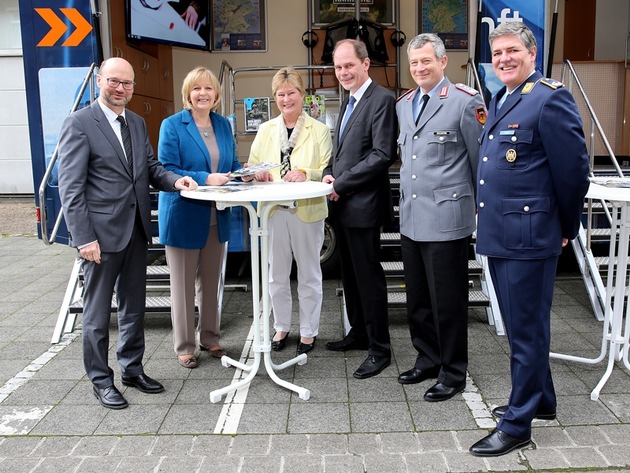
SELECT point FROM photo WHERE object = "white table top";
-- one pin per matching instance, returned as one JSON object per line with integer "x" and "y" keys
{"x": 609, "y": 193}
{"x": 260, "y": 191}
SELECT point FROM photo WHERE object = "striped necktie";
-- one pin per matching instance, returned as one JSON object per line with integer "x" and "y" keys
{"x": 126, "y": 138}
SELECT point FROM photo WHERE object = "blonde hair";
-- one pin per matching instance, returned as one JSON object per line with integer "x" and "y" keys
{"x": 200, "y": 74}
{"x": 287, "y": 76}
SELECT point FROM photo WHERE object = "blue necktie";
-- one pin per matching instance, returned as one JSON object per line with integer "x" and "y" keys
{"x": 502, "y": 100}
{"x": 349, "y": 109}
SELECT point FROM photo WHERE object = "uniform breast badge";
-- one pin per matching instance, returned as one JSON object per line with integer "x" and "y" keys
{"x": 510, "y": 155}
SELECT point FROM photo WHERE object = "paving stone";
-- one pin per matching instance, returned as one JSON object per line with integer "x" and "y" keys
{"x": 19, "y": 465}
{"x": 399, "y": 442}
{"x": 380, "y": 417}
{"x": 328, "y": 444}
{"x": 581, "y": 457}
{"x": 430, "y": 462}
{"x": 302, "y": 463}
{"x": 319, "y": 418}
{"x": 463, "y": 462}
{"x": 587, "y": 435}
{"x": 288, "y": 445}
{"x": 250, "y": 445}
{"x": 390, "y": 462}
{"x": 100, "y": 464}
{"x": 95, "y": 446}
{"x": 544, "y": 458}
{"x": 361, "y": 444}
{"x": 616, "y": 455}
{"x": 343, "y": 464}
{"x": 257, "y": 464}
{"x": 139, "y": 464}
{"x": 179, "y": 464}
{"x": 55, "y": 447}
{"x": 11, "y": 447}
{"x": 55, "y": 465}
{"x": 133, "y": 446}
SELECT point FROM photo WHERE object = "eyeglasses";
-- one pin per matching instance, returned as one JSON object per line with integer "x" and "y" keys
{"x": 114, "y": 83}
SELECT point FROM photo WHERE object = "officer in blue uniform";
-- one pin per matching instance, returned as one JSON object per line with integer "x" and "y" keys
{"x": 531, "y": 183}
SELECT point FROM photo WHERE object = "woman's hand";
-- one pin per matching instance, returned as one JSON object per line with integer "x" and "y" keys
{"x": 218, "y": 179}
{"x": 295, "y": 176}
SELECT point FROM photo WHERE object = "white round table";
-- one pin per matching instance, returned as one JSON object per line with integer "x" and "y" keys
{"x": 615, "y": 339}
{"x": 267, "y": 196}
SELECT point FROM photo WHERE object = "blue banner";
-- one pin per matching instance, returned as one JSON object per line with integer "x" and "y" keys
{"x": 495, "y": 12}
{"x": 59, "y": 44}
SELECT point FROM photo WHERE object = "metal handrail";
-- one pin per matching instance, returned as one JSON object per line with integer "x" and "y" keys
{"x": 51, "y": 165}
{"x": 568, "y": 68}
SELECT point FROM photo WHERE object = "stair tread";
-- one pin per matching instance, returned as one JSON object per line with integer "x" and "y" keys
{"x": 475, "y": 299}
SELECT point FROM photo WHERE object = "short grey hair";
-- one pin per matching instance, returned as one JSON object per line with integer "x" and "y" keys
{"x": 514, "y": 28}
{"x": 424, "y": 38}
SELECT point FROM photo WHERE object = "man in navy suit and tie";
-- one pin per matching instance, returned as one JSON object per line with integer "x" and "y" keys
{"x": 105, "y": 167}
{"x": 363, "y": 150}
{"x": 531, "y": 183}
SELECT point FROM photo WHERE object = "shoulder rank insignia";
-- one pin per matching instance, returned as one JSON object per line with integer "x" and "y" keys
{"x": 408, "y": 95}
{"x": 480, "y": 112}
{"x": 554, "y": 84}
{"x": 528, "y": 88}
{"x": 467, "y": 89}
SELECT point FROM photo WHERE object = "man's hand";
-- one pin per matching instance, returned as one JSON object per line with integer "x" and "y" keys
{"x": 91, "y": 252}
{"x": 185, "y": 183}
{"x": 328, "y": 179}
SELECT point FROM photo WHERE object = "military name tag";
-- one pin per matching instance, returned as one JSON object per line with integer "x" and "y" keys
{"x": 510, "y": 155}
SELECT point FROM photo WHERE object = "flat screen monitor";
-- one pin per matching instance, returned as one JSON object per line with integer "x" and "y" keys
{"x": 371, "y": 33}
{"x": 183, "y": 23}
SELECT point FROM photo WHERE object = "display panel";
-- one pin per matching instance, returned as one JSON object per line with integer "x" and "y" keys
{"x": 184, "y": 23}
{"x": 372, "y": 34}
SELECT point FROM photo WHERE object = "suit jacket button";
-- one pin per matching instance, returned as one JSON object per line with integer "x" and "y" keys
{"x": 491, "y": 137}
{"x": 481, "y": 205}
{"x": 413, "y": 196}
{"x": 485, "y": 159}
{"x": 413, "y": 177}
{"x": 482, "y": 182}
{"x": 526, "y": 208}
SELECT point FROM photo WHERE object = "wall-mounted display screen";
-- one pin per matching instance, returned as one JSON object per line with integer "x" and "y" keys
{"x": 184, "y": 23}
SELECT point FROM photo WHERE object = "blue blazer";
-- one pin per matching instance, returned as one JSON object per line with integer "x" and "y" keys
{"x": 185, "y": 223}
{"x": 533, "y": 172}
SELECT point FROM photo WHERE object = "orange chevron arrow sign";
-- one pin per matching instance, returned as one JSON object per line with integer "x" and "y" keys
{"x": 58, "y": 27}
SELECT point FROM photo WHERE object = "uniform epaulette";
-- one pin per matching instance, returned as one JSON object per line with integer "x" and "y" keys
{"x": 405, "y": 94}
{"x": 554, "y": 84}
{"x": 467, "y": 89}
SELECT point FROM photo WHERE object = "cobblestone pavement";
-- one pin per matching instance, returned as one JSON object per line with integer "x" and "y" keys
{"x": 50, "y": 421}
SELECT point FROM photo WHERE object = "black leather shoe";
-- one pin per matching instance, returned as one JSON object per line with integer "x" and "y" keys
{"x": 372, "y": 366}
{"x": 442, "y": 392}
{"x": 277, "y": 345}
{"x": 143, "y": 383}
{"x": 414, "y": 375}
{"x": 110, "y": 397}
{"x": 347, "y": 344}
{"x": 500, "y": 410}
{"x": 306, "y": 347}
{"x": 496, "y": 444}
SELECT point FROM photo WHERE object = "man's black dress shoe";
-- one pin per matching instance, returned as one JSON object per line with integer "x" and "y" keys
{"x": 143, "y": 383}
{"x": 372, "y": 366}
{"x": 442, "y": 392}
{"x": 306, "y": 347}
{"x": 110, "y": 397}
{"x": 415, "y": 375}
{"x": 277, "y": 345}
{"x": 500, "y": 410}
{"x": 347, "y": 344}
{"x": 496, "y": 444}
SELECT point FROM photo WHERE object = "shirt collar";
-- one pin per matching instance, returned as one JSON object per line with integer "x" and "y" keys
{"x": 361, "y": 90}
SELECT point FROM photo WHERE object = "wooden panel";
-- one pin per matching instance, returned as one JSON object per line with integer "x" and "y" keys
{"x": 579, "y": 30}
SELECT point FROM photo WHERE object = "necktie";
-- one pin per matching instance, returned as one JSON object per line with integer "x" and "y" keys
{"x": 425, "y": 99}
{"x": 349, "y": 109}
{"x": 126, "y": 138}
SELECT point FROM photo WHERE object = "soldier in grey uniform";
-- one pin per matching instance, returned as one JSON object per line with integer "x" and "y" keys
{"x": 440, "y": 124}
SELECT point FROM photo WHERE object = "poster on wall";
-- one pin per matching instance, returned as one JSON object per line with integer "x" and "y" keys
{"x": 496, "y": 12}
{"x": 446, "y": 18}
{"x": 330, "y": 11}
{"x": 238, "y": 25}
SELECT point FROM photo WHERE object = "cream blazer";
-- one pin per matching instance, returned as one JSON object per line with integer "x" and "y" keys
{"x": 311, "y": 154}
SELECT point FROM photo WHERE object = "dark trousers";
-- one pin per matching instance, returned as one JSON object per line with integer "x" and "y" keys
{"x": 525, "y": 292}
{"x": 436, "y": 281}
{"x": 124, "y": 272}
{"x": 364, "y": 287}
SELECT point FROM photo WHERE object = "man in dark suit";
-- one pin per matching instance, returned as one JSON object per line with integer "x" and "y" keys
{"x": 439, "y": 150}
{"x": 531, "y": 183}
{"x": 364, "y": 148}
{"x": 105, "y": 167}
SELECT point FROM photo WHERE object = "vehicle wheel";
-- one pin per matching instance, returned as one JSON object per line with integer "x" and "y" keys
{"x": 329, "y": 256}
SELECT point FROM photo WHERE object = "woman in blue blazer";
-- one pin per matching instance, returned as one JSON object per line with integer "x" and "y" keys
{"x": 199, "y": 143}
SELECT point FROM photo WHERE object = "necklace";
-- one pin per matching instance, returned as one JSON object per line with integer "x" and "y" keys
{"x": 205, "y": 130}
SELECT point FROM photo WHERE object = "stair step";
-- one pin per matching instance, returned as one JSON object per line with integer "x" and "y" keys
{"x": 396, "y": 268}
{"x": 152, "y": 304}
{"x": 397, "y": 299}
